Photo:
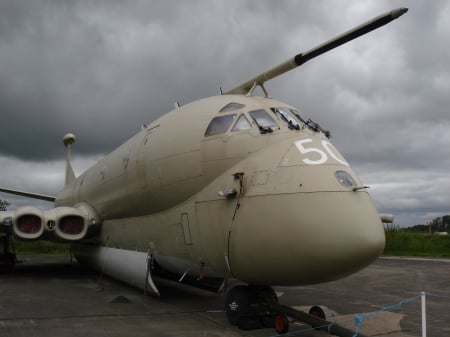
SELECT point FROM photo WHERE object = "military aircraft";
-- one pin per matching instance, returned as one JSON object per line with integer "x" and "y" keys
{"x": 231, "y": 187}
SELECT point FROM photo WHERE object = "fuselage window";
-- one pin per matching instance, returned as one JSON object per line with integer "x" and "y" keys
{"x": 219, "y": 125}
{"x": 263, "y": 119}
{"x": 241, "y": 124}
{"x": 232, "y": 106}
{"x": 287, "y": 116}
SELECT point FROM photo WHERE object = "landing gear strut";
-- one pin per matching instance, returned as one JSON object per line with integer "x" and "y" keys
{"x": 254, "y": 307}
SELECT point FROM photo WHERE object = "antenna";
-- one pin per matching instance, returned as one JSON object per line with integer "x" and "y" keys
{"x": 249, "y": 86}
{"x": 68, "y": 140}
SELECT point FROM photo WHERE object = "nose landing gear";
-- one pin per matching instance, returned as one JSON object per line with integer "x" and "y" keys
{"x": 255, "y": 307}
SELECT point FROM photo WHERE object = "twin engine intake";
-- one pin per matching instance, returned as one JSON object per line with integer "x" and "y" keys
{"x": 57, "y": 224}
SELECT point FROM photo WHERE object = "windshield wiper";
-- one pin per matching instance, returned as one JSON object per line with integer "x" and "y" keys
{"x": 265, "y": 129}
{"x": 316, "y": 127}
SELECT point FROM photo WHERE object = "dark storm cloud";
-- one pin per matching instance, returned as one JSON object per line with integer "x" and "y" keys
{"x": 100, "y": 69}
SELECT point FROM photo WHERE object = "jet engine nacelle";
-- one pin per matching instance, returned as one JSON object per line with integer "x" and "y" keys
{"x": 60, "y": 223}
{"x": 68, "y": 223}
{"x": 28, "y": 223}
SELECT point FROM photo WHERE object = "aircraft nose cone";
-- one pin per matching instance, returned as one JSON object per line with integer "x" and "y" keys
{"x": 326, "y": 237}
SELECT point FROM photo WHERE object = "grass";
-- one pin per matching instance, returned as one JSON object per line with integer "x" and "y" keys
{"x": 403, "y": 243}
{"x": 40, "y": 247}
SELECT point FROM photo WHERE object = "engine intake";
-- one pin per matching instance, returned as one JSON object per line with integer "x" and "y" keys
{"x": 27, "y": 223}
{"x": 72, "y": 225}
{"x": 60, "y": 223}
{"x": 68, "y": 223}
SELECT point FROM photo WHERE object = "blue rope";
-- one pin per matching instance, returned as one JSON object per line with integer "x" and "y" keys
{"x": 359, "y": 318}
{"x": 358, "y": 324}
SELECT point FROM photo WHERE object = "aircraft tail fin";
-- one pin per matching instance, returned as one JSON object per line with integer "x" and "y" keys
{"x": 68, "y": 140}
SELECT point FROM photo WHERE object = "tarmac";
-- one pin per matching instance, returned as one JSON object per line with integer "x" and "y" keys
{"x": 50, "y": 296}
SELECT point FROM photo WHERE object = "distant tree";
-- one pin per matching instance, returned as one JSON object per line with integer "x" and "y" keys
{"x": 418, "y": 228}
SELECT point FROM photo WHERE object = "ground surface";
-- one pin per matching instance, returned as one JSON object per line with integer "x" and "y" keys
{"x": 46, "y": 296}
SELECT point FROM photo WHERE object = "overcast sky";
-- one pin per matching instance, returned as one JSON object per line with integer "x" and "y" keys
{"x": 100, "y": 69}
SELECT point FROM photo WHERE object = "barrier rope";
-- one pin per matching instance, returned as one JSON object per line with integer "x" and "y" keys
{"x": 358, "y": 319}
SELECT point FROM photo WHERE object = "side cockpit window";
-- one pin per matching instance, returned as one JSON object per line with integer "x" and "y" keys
{"x": 264, "y": 121}
{"x": 241, "y": 124}
{"x": 286, "y": 115}
{"x": 219, "y": 125}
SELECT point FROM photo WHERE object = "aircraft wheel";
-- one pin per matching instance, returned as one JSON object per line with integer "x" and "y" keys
{"x": 265, "y": 294}
{"x": 237, "y": 303}
{"x": 281, "y": 324}
{"x": 317, "y": 312}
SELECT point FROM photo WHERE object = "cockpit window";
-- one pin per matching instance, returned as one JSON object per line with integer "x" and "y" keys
{"x": 296, "y": 113}
{"x": 241, "y": 124}
{"x": 287, "y": 116}
{"x": 263, "y": 119}
{"x": 219, "y": 125}
{"x": 232, "y": 106}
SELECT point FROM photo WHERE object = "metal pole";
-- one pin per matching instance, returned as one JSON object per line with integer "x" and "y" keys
{"x": 424, "y": 315}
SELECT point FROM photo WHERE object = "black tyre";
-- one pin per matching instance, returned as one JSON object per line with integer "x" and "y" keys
{"x": 237, "y": 303}
{"x": 264, "y": 294}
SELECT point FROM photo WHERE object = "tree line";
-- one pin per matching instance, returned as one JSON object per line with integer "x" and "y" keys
{"x": 439, "y": 224}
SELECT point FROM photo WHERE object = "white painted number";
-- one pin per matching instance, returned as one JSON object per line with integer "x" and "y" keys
{"x": 322, "y": 156}
{"x": 318, "y": 156}
{"x": 333, "y": 152}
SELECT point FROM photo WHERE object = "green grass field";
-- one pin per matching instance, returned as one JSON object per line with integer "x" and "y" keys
{"x": 402, "y": 243}
{"x": 40, "y": 247}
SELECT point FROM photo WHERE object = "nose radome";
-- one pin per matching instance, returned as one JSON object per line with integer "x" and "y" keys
{"x": 304, "y": 238}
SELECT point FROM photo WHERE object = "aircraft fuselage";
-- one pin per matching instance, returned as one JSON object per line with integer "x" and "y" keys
{"x": 267, "y": 205}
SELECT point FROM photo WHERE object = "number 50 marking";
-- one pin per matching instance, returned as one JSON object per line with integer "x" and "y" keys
{"x": 321, "y": 155}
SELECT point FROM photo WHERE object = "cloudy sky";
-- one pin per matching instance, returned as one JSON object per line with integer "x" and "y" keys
{"x": 100, "y": 69}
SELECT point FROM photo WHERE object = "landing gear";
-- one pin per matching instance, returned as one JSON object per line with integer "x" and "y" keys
{"x": 237, "y": 303}
{"x": 249, "y": 307}
{"x": 254, "y": 307}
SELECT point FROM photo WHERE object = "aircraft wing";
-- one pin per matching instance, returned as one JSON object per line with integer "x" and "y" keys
{"x": 29, "y": 195}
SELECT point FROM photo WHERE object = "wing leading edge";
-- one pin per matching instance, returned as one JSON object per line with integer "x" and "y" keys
{"x": 29, "y": 195}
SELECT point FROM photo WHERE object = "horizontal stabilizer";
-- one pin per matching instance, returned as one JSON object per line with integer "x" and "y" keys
{"x": 29, "y": 195}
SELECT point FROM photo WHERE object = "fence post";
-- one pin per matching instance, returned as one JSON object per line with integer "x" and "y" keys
{"x": 424, "y": 315}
